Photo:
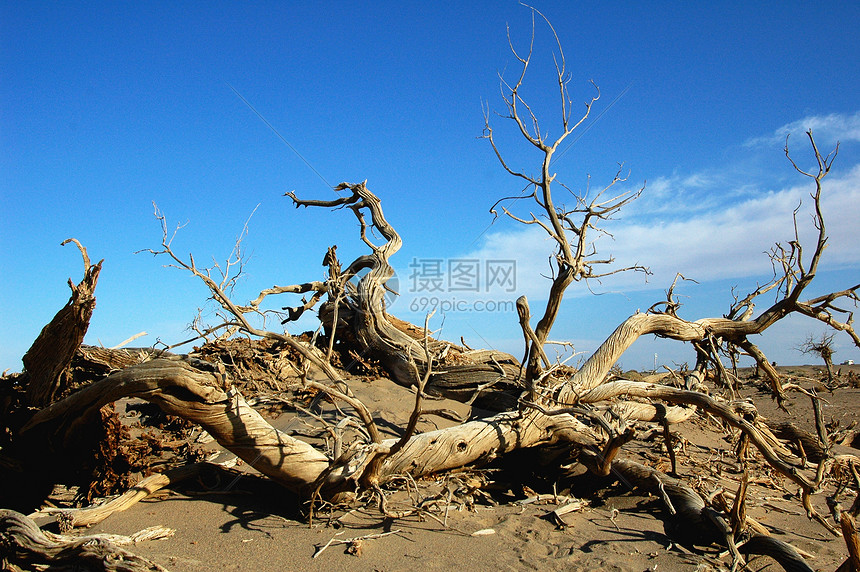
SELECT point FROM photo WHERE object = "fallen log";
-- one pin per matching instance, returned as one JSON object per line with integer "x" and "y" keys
{"x": 26, "y": 547}
{"x": 69, "y": 518}
{"x": 204, "y": 397}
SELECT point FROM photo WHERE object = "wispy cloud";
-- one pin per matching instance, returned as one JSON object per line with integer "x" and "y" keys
{"x": 710, "y": 242}
{"x": 687, "y": 193}
{"x": 730, "y": 242}
{"x": 828, "y": 129}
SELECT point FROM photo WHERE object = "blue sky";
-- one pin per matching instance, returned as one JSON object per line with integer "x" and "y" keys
{"x": 106, "y": 108}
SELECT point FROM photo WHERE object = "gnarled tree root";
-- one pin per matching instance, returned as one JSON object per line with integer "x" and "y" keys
{"x": 694, "y": 521}
{"x": 26, "y": 547}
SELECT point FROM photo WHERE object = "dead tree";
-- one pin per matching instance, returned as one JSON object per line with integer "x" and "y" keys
{"x": 360, "y": 316}
{"x": 587, "y": 413}
{"x": 823, "y": 348}
{"x": 194, "y": 390}
{"x": 49, "y": 356}
{"x": 25, "y": 544}
{"x": 570, "y": 228}
{"x": 575, "y": 259}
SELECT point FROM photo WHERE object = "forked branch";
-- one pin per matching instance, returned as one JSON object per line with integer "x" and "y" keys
{"x": 569, "y": 227}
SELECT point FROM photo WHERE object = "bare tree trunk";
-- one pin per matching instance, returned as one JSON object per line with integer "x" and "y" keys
{"x": 202, "y": 397}
{"x": 828, "y": 363}
{"x": 400, "y": 345}
{"x": 52, "y": 352}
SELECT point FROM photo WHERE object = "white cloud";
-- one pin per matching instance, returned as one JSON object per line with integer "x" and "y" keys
{"x": 729, "y": 242}
{"x": 677, "y": 193}
{"x": 828, "y": 129}
{"x": 717, "y": 243}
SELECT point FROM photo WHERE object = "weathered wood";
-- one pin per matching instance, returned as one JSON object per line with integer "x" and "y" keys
{"x": 111, "y": 359}
{"x": 69, "y": 518}
{"x": 26, "y": 547}
{"x": 203, "y": 398}
{"x": 52, "y": 352}
{"x": 398, "y": 344}
{"x": 685, "y": 504}
{"x": 490, "y": 380}
{"x": 783, "y": 553}
{"x": 707, "y": 403}
{"x": 693, "y": 520}
{"x": 793, "y": 434}
{"x": 485, "y": 439}
{"x": 198, "y": 396}
{"x": 852, "y": 541}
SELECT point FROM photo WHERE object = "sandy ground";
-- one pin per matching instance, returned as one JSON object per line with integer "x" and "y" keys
{"x": 240, "y": 521}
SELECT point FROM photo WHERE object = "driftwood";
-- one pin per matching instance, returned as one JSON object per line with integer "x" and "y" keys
{"x": 26, "y": 547}
{"x": 112, "y": 359}
{"x": 69, "y": 518}
{"x": 852, "y": 540}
